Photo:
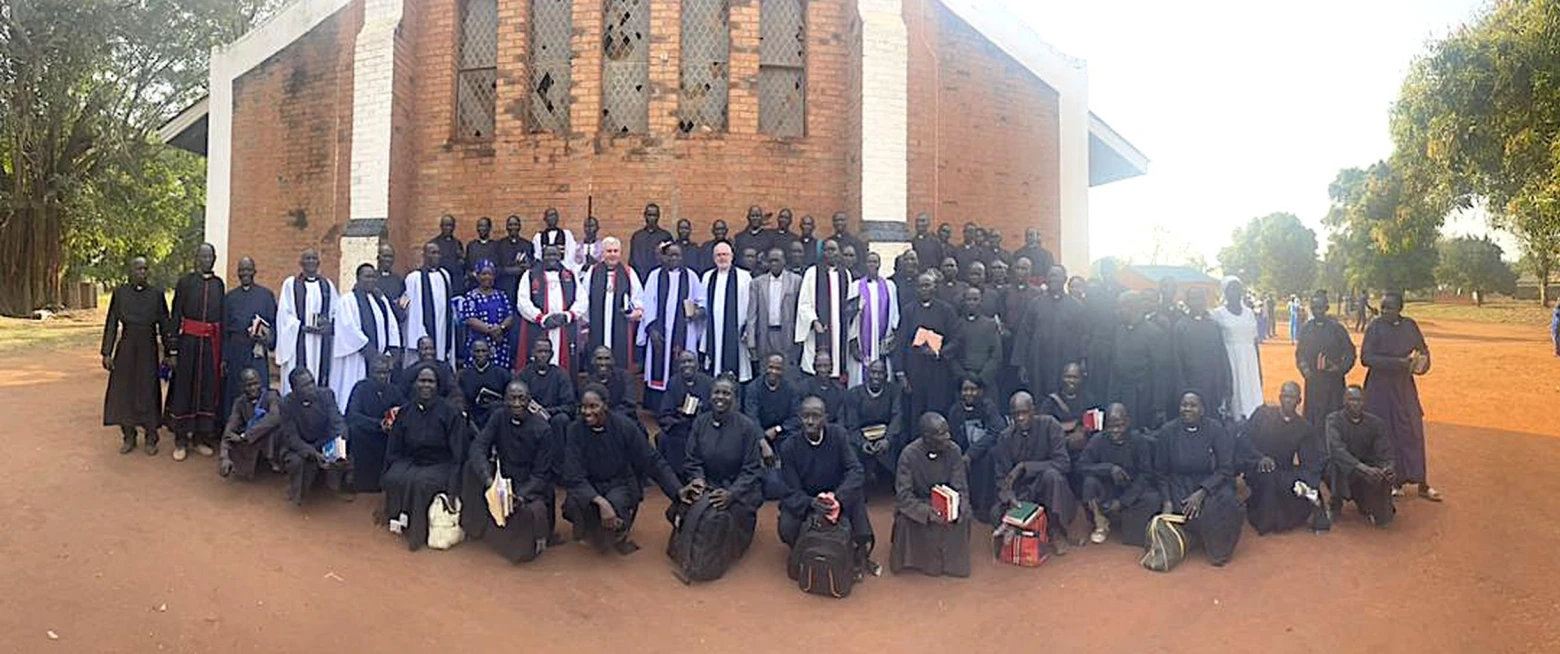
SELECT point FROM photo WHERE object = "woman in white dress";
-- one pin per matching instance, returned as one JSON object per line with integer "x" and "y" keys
{"x": 1239, "y": 326}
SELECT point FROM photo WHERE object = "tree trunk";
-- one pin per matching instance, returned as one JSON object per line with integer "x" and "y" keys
{"x": 1543, "y": 280}
{"x": 31, "y": 255}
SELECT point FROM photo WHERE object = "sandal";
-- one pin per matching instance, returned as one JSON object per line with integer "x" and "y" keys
{"x": 1100, "y": 534}
{"x": 1428, "y": 493}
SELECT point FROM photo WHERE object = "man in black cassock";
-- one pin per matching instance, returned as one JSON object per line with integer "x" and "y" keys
{"x": 823, "y": 385}
{"x": 137, "y": 323}
{"x": 368, "y": 423}
{"x": 907, "y": 268}
{"x": 604, "y": 461}
{"x": 1363, "y": 468}
{"x": 1050, "y": 335}
{"x": 1166, "y": 315}
{"x": 974, "y": 418}
{"x": 923, "y": 370}
{"x": 869, "y": 407}
{"x": 1324, "y": 354}
{"x": 1141, "y": 371}
{"x": 686, "y": 397}
{"x": 310, "y": 421}
{"x": 923, "y": 539}
{"x": 781, "y": 237}
{"x": 816, "y": 461}
{"x": 481, "y": 248}
{"x": 248, "y": 331}
{"x": 552, "y": 388}
{"x": 1101, "y": 321}
{"x": 990, "y": 300}
{"x": 645, "y": 246}
{"x": 452, "y": 255}
{"x": 516, "y": 254}
{"x": 1117, "y": 467}
{"x": 1017, "y": 300}
{"x": 844, "y": 238}
{"x": 195, "y": 390}
{"x": 693, "y": 254}
{"x": 950, "y": 287}
{"x": 1031, "y": 465}
{"x": 1283, "y": 493}
{"x": 1202, "y": 362}
{"x": 518, "y": 443}
{"x": 769, "y": 400}
{"x": 812, "y": 246}
{"x": 251, "y": 429}
{"x": 971, "y": 250}
{"x": 925, "y": 244}
{"x": 724, "y": 461}
{"x": 1040, "y": 259}
{"x": 706, "y": 253}
{"x": 605, "y": 372}
{"x": 482, "y": 383}
{"x": 981, "y": 355}
{"x": 755, "y": 236}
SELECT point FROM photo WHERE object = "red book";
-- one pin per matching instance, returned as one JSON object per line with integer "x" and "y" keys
{"x": 945, "y": 501}
{"x": 1093, "y": 420}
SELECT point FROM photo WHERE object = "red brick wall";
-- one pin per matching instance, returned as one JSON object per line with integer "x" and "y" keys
{"x": 701, "y": 177}
{"x": 983, "y": 132}
{"x": 292, "y": 143}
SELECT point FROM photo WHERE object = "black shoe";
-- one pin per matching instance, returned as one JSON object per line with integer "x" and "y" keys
{"x": 128, "y": 445}
{"x": 151, "y": 447}
{"x": 1321, "y": 520}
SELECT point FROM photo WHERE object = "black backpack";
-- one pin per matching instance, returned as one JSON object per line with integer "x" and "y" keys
{"x": 823, "y": 562}
{"x": 524, "y": 534}
{"x": 703, "y": 542}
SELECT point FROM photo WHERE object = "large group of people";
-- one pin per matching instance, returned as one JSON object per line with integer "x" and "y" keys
{"x": 768, "y": 366}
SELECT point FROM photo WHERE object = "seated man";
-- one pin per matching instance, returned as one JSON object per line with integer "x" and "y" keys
{"x": 873, "y": 418}
{"x": 686, "y": 398}
{"x": 310, "y": 423}
{"x": 427, "y": 359}
{"x": 519, "y": 444}
{"x": 614, "y": 380}
{"x": 974, "y": 419}
{"x": 723, "y": 461}
{"x": 368, "y": 424}
{"x": 482, "y": 383}
{"x": 816, "y": 461}
{"x": 823, "y": 385}
{"x": 1362, "y": 467}
{"x": 1031, "y": 464}
{"x": 769, "y": 400}
{"x": 552, "y": 388}
{"x": 605, "y": 457}
{"x": 1283, "y": 495}
{"x": 1117, "y": 468}
{"x": 251, "y": 428}
{"x": 923, "y": 539}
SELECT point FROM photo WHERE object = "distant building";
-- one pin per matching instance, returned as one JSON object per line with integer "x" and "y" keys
{"x": 1143, "y": 278}
{"x": 339, "y": 123}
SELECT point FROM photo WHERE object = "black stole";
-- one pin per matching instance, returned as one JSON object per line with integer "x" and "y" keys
{"x": 728, "y": 332}
{"x": 677, "y": 336}
{"x": 301, "y": 307}
{"x": 825, "y": 308}
{"x": 430, "y": 327}
{"x": 601, "y": 311}
{"x": 367, "y": 320}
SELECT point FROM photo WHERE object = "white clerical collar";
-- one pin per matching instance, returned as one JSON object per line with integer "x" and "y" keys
{"x": 814, "y": 443}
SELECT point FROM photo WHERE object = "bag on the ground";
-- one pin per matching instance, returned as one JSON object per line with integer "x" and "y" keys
{"x": 1166, "y": 542}
{"x": 703, "y": 540}
{"x": 823, "y": 562}
{"x": 444, "y": 529}
{"x": 1020, "y": 547}
{"x": 524, "y": 534}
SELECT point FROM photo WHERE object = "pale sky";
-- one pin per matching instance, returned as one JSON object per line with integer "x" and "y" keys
{"x": 1243, "y": 108}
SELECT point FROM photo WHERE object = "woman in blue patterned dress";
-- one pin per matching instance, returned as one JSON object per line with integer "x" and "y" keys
{"x": 487, "y": 313}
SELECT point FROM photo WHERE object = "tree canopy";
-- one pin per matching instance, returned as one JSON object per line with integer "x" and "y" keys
{"x": 1275, "y": 253}
{"x": 83, "y": 86}
{"x": 1382, "y": 234}
{"x": 1474, "y": 265}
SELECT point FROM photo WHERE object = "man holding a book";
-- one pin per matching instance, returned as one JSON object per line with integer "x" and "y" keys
{"x": 1031, "y": 462}
{"x": 931, "y": 505}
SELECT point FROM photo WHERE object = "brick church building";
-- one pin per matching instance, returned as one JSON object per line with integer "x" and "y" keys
{"x": 338, "y": 123}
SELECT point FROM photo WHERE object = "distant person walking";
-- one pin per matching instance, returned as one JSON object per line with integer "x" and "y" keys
{"x": 1554, "y": 328}
{"x": 1294, "y": 318}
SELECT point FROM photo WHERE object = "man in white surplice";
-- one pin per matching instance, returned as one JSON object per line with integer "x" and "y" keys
{"x": 613, "y": 305}
{"x": 872, "y": 330}
{"x": 366, "y": 328}
{"x": 552, "y": 234}
{"x": 428, "y": 307}
{"x": 551, "y": 305}
{"x": 669, "y": 326}
{"x": 821, "y": 309}
{"x": 724, "y": 343}
{"x": 303, "y": 321}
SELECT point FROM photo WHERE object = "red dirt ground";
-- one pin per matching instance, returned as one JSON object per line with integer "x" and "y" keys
{"x": 136, "y": 554}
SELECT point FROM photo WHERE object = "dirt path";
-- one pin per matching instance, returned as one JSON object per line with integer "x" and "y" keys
{"x": 135, "y": 554}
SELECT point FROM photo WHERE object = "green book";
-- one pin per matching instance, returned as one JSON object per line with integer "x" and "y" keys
{"x": 1022, "y": 516}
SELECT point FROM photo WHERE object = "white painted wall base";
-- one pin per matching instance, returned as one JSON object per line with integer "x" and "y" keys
{"x": 885, "y": 119}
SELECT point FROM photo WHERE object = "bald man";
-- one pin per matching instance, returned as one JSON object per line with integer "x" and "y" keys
{"x": 924, "y": 539}
{"x": 194, "y": 410}
{"x": 1117, "y": 471}
{"x": 1283, "y": 493}
{"x": 248, "y": 331}
{"x": 1031, "y": 462}
{"x": 136, "y": 325}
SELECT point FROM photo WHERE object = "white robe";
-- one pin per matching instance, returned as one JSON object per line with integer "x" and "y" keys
{"x": 531, "y": 313}
{"x": 635, "y": 291}
{"x": 654, "y": 313}
{"x": 347, "y": 366}
{"x": 581, "y": 251}
{"x": 443, "y": 338}
{"x": 1240, "y": 342}
{"x": 712, "y": 339}
{"x": 289, "y": 328}
{"x": 807, "y": 311}
{"x": 569, "y": 249}
{"x": 868, "y": 292}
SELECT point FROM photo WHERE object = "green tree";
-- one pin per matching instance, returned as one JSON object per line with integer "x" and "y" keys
{"x": 1382, "y": 235}
{"x": 83, "y": 84}
{"x": 1275, "y": 253}
{"x": 1474, "y": 265}
{"x": 1477, "y": 121}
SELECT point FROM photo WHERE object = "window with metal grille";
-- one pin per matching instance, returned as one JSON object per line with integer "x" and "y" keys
{"x": 782, "y": 67}
{"x": 476, "y": 75}
{"x": 552, "y": 22}
{"x": 625, "y": 67}
{"x": 706, "y": 51}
